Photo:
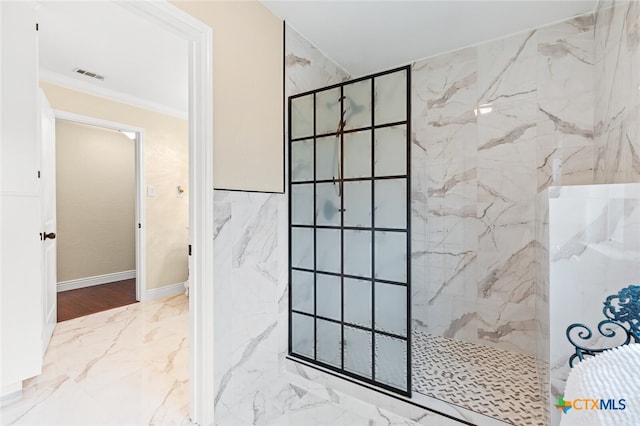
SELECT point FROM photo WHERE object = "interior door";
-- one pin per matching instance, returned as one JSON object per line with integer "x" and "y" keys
{"x": 48, "y": 197}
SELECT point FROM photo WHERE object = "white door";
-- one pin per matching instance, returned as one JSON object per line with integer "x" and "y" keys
{"x": 48, "y": 197}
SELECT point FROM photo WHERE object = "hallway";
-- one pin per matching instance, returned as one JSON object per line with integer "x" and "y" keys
{"x": 128, "y": 365}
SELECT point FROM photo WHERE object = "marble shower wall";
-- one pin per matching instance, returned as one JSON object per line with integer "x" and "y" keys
{"x": 617, "y": 92}
{"x": 493, "y": 125}
{"x": 250, "y": 270}
{"x": 542, "y": 300}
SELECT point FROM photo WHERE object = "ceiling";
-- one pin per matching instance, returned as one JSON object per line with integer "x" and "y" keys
{"x": 145, "y": 65}
{"x": 367, "y": 36}
{"x": 141, "y": 63}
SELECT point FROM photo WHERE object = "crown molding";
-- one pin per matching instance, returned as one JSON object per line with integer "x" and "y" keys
{"x": 113, "y": 95}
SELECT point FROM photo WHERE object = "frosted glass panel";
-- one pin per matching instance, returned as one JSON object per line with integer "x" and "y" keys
{"x": 391, "y": 256}
{"x": 327, "y": 204}
{"x": 328, "y": 250}
{"x": 327, "y": 111}
{"x": 391, "y": 151}
{"x": 302, "y": 248}
{"x": 302, "y": 161}
{"x": 302, "y": 334}
{"x": 348, "y": 281}
{"x": 391, "y": 361}
{"x": 357, "y": 253}
{"x": 329, "y": 335}
{"x": 391, "y": 203}
{"x": 302, "y": 291}
{"x": 390, "y": 98}
{"x": 357, "y": 105}
{"x": 357, "y": 154}
{"x": 327, "y": 158}
{"x": 357, "y": 302}
{"x": 357, "y": 203}
{"x": 302, "y": 204}
{"x": 391, "y": 308}
{"x": 329, "y": 304}
{"x": 357, "y": 351}
{"x": 302, "y": 117}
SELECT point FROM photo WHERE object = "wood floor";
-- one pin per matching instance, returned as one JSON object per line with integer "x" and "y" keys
{"x": 97, "y": 298}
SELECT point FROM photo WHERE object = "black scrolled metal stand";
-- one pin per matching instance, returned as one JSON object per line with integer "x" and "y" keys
{"x": 622, "y": 312}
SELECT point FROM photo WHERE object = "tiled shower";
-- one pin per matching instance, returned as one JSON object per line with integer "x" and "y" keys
{"x": 492, "y": 125}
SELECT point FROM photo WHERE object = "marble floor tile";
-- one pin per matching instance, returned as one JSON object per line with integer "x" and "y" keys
{"x": 125, "y": 366}
{"x": 129, "y": 366}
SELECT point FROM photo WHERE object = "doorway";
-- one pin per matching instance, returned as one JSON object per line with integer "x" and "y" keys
{"x": 99, "y": 248}
{"x": 199, "y": 41}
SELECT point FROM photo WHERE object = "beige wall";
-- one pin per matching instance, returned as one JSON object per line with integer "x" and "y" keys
{"x": 166, "y": 162}
{"x": 96, "y": 190}
{"x": 247, "y": 93}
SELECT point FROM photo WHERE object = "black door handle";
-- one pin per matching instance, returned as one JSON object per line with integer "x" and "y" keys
{"x": 50, "y": 235}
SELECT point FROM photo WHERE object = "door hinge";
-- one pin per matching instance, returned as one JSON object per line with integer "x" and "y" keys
{"x": 40, "y": 236}
{"x": 139, "y": 226}
{"x": 38, "y": 174}
{"x": 37, "y": 27}
{"x": 189, "y": 249}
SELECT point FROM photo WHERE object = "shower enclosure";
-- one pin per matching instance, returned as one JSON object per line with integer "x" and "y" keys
{"x": 349, "y": 240}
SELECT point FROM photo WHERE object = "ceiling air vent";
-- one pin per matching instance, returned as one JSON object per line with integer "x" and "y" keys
{"x": 89, "y": 74}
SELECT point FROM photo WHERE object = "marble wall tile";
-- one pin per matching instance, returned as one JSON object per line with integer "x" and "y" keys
{"x": 507, "y": 68}
{"x": 565, "y": 149}
{"x": 493, "y": 125}
{"x": 306, "y": 68}
{"x": 444, "y": 192}
{"x": 245, "y": 269}
{"x": 617, "y": 99}
{"x": 565, "y": 85}
{"x": 542, "y": 300}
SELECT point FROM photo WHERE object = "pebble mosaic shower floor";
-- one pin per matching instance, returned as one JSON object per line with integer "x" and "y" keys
{"x": 494, "y": 382}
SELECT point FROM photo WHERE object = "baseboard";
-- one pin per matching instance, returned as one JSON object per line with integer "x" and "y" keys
{"x": 168, "y": 290}
{"x": 97, "y": 280}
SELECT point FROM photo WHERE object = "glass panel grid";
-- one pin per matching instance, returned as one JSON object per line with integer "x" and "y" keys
{"x": 358, "y": 220}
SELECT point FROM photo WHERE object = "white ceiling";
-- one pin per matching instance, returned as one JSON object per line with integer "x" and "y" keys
{"x": 367, "y": 36}
{"x": 142, "y": 63}
{"x": 145, "y": 65}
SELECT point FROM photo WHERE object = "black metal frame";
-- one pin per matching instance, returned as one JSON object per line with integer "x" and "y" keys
{"x": 407, "y": 231}
{"x": 622, "y": 312}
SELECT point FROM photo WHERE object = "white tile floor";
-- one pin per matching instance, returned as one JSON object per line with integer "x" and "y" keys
{"x": 129, "y": 366}
{"x": 125, "y": 366}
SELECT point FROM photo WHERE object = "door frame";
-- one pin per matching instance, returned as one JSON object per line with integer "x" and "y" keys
{"x": 141, "y": 247}
{"x": 201, "y": 303}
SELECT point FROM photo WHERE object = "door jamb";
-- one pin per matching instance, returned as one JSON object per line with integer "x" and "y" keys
{"x": 140, "y": 231}
{"x": 199, "y": 39}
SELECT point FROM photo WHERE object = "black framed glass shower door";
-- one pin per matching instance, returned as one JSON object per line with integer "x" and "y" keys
{"x": 349, "y": 241}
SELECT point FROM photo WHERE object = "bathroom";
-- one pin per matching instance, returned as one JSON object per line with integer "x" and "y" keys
{"x": 492, "y": 126}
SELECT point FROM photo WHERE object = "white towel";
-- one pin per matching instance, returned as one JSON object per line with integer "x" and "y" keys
{"x": 611, "y": 381}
